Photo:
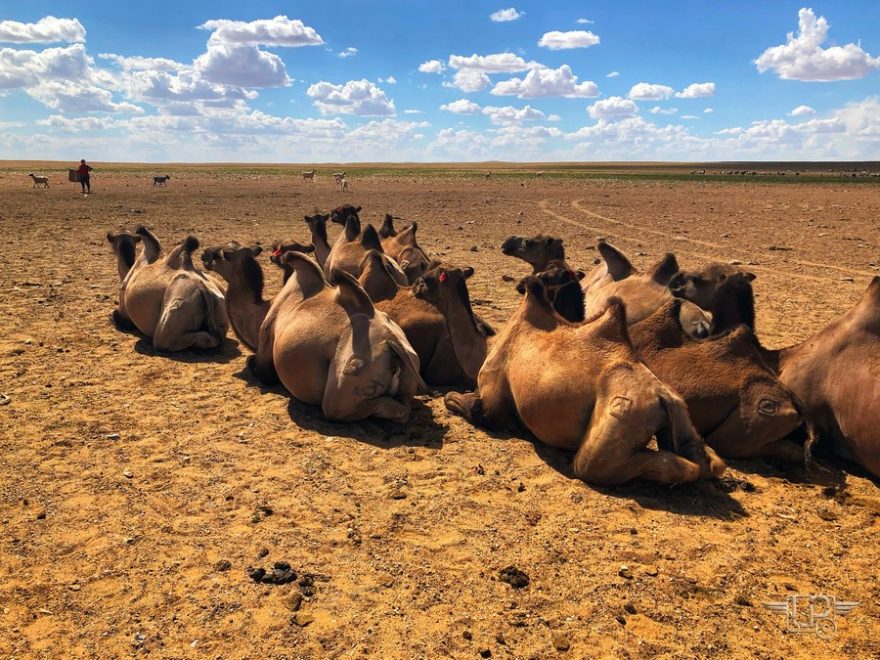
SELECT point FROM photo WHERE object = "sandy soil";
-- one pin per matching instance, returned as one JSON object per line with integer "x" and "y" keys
{"x": 137, "y": 488}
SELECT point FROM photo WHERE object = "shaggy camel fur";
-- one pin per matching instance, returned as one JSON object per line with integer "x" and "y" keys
{"x": 403, "y": 247}
{"x": 317, "y": 225}
{"x": 546, "y": 256}
{"x": 592, "y": 395}
{"x": 422, "y": 323}
{"x": 835, "y": 372}
{"x": 329, "y": 346}
{"x": 348, "y": 251}
{"x": 739, "y": 405}
{"x": 167, "y": 298}
{"x": 642, "y": 293}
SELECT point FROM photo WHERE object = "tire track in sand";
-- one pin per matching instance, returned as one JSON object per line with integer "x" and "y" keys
{"x": 543, "y": 204}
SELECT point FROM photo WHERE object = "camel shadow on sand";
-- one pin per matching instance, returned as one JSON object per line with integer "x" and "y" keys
{"x": 422, "y": 430}
{"x": 225, "y": 354}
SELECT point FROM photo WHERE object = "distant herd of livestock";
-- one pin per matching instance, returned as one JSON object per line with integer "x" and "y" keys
{"x": 42, "y": 180}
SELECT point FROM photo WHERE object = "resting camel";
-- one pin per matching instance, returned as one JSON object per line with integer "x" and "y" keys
{"x": 722, "y": 289}
{"x": 329, "y": 346}
{"x": 738, "y": 404}
{"x": 341, "y": 214}
{"x": 167, "y": 298}
{"x": 318, "y": 228}
{"x": 835, "y": 372}
{"x": 278, "y": 250}
{"x": 423, "y": 324}
{"x": 642, "y": 293}
{"x": 403, "y": 247}
{"x": 349, "y": 249}
{"x": 591, "y": 394}
{"x": 546, "y": 255}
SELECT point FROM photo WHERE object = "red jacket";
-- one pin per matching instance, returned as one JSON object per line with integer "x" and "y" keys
{"x": 84, "y": 169}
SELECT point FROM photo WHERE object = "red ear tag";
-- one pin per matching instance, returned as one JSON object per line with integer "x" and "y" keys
{"x": 442, "y": 277}
{"x": 277, "y": 252}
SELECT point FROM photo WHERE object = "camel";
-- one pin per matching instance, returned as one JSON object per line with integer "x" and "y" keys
{"x": 349, "y": 250}
{"x": 125, "y": 248}
{"x": 546, "y": 256}
{"x": 341, "y": 214}
{"x": 167, "y": 298}
{"x": 403, "y": 247}
{"x": 591, "y": 395}
{"x": 423, "y": 324}
{"x": 735, "y": 401}
{"x": 835, "y": 372}
{"x": 642, "y": 293}
{"x": 317, "y": 225}
{"x": 278, "y": 250}
{"x": 329, "y": 346}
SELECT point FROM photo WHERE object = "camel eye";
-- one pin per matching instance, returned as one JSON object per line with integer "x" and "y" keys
{"x": 768, "y": 407}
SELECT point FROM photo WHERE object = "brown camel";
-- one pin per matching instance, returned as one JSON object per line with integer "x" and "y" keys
{"x": 642, "y": 293}
{"x": 329, "y": 346}
{"x": 403, "y": 247}
{"x": 278, "y": 250}
{"x": 546, "y": 256}
{"x": 125, "y": 248}
{"x": 341, "y": 214}
{"x": 738, "y": 404}
{"x": 318, "y": 228}
{"x": 350, "y": 248}
{"x": 835, "y": 372}
{"x": 722, "y": 289}
{"x": 168, "y": 298}
{"x": 591, "y": 394}
{"x": 423, "y": 324}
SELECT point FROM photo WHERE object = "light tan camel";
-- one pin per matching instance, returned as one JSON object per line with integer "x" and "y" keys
{"x": 278, "y": 250}
{"x": 403, "y": 247}
{"x": 590, "y": 394}
{"x": 642, "y": 293}
{"x": 168, "y": 299}
{"x": 835, "y": 373}
{"x": 124, "y": 246}
{"x": 329, "y": 346}
{"x": 422, "y": 323}
{"x": 349, "y": 250}
{"x": 735, "y": 401}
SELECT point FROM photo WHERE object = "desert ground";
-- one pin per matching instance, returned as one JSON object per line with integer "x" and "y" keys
{"x": 137, "y": 488}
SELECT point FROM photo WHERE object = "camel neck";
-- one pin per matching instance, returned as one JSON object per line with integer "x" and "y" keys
{"x": 735, "y": 307}
{"x": 246, "y": 308}
{"x": 468, "y": 342}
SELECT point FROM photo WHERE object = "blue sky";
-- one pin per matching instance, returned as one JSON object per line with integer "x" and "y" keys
{"x": 415, "y": 81}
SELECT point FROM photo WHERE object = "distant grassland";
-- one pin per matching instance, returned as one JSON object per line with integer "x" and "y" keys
{"x": 767, "y": 172}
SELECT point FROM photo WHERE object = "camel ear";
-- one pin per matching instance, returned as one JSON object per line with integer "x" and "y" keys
{"x": 619, "y": 267}
{"x": 750, "y": 277}
{"x": 665, "y": 269}
{"x": 358, "y": 209}
{"x": 350, "y": 295}
{"x": 409, "y": 234}
{"x": 579, "y": 275}
{"x": 257, "y": 250}
{"x": 109, "y": 237}
{"x": 467, "y": 272}
{"x": 306, "y": 218}
{"x": 370, "y": 239}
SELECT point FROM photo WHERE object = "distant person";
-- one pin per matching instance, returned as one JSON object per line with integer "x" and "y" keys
{"x": 84, "y": 176}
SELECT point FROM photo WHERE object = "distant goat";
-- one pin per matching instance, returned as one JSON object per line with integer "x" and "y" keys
{"x": 309, "y": 176}
{"x": 339, "y": 176}
{"x": 160, "y": 180}
{"x": 40, "y": 180}
{"x": 344, "y": 183}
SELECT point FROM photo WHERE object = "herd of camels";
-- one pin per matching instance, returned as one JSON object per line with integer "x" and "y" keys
{"x": 602, "y": 363}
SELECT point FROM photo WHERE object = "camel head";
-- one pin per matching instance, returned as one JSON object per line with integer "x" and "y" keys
{"x": 220, "y": 259}
{"x": 442, "y": 285}
{"x": 123, "y": 244}
{"x": 340, "y": 214}
{"x": 387, "y": 229}
{"x": 705, "y": 286}
{"x": 317, "y": 226}
{"x": 373, "y": 357}
{"x": 279, "y": 248}
{"x": 536, "y": 251}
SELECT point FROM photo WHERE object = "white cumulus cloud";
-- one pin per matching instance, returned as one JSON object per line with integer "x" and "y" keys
{"x": 461, "y": 107}
{"x": 45, "y": 31}
{"x": 650, "y": 92}
{"x": 543, "y": 81}
{"x": 241, "y": 65}
{"x": 506, "y": 15}
{"x": 697, "y": 90}
{"x": 509, "y": 116}
{"x": 802, "y": 111}
{"x": 584, "y": 21}
{"x": 432, "y": 66}
{"x": 469, "y": 80}
{"x": 351, "y": 51}
{"x": 138, "y": 63}
{"x": 356, "y": 97}
{"x": 494, "y": 63}
{"x": 657, "y": 110}
{"x": 557, "y": 40}
{"x": 613, "y": 108}
{"x": 278, "y": 31}
{"x": 612, "y": 74}
{"x": 803, "y": 58}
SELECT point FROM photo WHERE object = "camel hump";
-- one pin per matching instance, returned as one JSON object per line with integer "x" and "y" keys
{"x": 190, "y": 244}
{"x": 619, "y": 267}
{"x": 663, "y": 271}
{"x": 873, "y": 291}
{"x": 372, "y": 259}
{"x": 309, "y": 275}
{"x": 387, "y": 229}
{"x": 610, "y": 323}
{"x": 152, "y": 247}
{"x": 350, "y": 294}
{"x": 408, "y": 234}
{"x": 370, "y": 239}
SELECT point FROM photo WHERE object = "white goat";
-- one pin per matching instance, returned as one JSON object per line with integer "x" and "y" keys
{"x": 40, "y": 180}
{"x": 344, "y": 183}
{"x": 309, "y": 176}
{"x": 160, "y": 180}
{"x": 339, "y": 176}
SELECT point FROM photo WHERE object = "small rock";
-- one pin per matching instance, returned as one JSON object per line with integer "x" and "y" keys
{"x": 5, "y": 400}
{"x": 514, "y": 577}
{"x": 75, "y": 587}
{"x": 629, "y": 607}
{"x": 620, "y": 619}
{"x": 112, "y": 436}
{"x": 263, "y": 552}
{"x": 474, "y": 248}
{"x": 625, "y": 573}
{"x": 222, "y": 565}
{"x": 499, "y": 637}
{"x": 301, "y": 619}
{"x": 265, "y": 510}
{"x": 485, "y": 653}
{"x": 847, "y": 279}
{"x": 743, "y": 600}
{"x": 824, "y": 514}
{"x": 560, "y": 642}
{"x": 255, "y": 574}
{"x": 294, "y": 601}
{"x": 397, "y": 494}
{"x": 651, "y": 570}
{"x": 41, "y": 515}
{"x": 468, "y": 635}
{"x": 736, "y": 262}
{"x": 128, "y": 474}
{"x": 507, "y": 278}
{"x": 521, "y": 488}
